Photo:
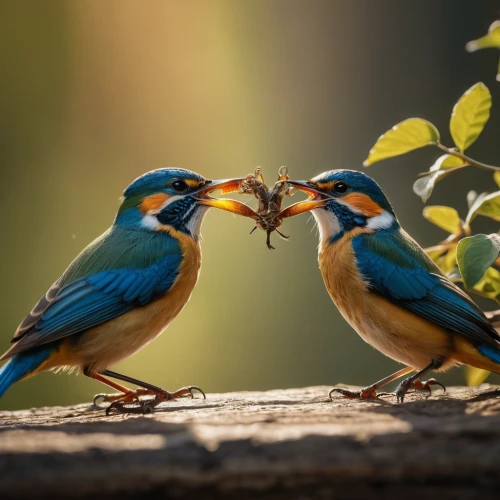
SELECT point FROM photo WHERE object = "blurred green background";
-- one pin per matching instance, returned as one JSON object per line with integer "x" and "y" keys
{"x": 96, "y": 93}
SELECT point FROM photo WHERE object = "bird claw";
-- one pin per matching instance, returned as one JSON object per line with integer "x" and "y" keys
{"x": 426, "y": 386}
{"x": 370, "y": 392}
{"x": 100, "y": 398}
{"x": 366, "y": 393}
{"x": 185, "y": 391}
{"x": 128, "y": 397}
{"x": 139, "y": 408}
{"x": 126, "y": 405}
{"x": 418, "y": 385}
{"x": 408, "y": 383}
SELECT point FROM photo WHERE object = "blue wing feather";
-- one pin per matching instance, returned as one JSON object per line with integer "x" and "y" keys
{"x": 91, "y": 298}
{"x": 99, "y": 298}
{"x": 397, "y": 268}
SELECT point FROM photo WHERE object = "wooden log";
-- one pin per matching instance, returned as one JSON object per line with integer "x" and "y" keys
{"x": 281, "y": 444}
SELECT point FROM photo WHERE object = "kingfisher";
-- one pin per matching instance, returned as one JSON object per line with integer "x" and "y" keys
{"x": 123, "y": 289}
{"x": 388, "y": 289}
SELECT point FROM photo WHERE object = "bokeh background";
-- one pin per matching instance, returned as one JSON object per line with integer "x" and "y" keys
{"x": 93, "y": 94}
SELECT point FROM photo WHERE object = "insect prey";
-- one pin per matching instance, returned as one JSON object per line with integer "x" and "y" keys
{"x": 269, "y": 199}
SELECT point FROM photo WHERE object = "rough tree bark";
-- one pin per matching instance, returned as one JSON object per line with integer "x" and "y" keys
{"x": 282, "y": 444}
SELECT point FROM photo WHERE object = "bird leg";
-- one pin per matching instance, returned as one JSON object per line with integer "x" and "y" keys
{"x": 370, "y": 392}
{"x": 149, "y": 405}
{"x": 129, "y": 401}
{"x": 125, "y": 393}
{"x": 409, "y": 382}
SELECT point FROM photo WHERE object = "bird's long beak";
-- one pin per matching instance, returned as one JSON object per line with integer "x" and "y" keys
{"x": 315, "y": 199}
{"x": 226, "y": 186}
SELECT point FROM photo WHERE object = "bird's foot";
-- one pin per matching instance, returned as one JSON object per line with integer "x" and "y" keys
{"x": 183, "y": 392}
{"x": 369, "y": 392}
{"x": 426, "y": 386}
{"x": 138, "y": 407}
{"x": 408, "y": 383}
{"x": 128, "y": 397}
{"x": 130, "y": 403}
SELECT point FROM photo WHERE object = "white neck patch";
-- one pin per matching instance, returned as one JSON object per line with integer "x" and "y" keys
{"x": 382, "y": 221}
{"x": 150, "y": 222}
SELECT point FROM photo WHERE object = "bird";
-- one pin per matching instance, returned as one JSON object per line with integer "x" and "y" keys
{"x": 123, "y": 289}
{"x": 388, "y": 289}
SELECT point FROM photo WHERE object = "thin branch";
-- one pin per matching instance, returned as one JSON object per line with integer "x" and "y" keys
{"x": 472, "y": 162}
{"x": 443, "y": 173}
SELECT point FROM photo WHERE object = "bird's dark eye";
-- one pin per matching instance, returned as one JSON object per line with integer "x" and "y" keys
{"x": 179, "y": 186}
{"x": 340, "y": 187}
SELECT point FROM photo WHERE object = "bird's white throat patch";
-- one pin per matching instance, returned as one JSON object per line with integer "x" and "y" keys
{"x": 328, "y": 224}
{"x": 196, "y": 219}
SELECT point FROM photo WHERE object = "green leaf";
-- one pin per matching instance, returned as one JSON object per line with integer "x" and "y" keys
{"x": 448, "y": 262}
{"x": 475, "y": 254}
{"x": 496, "y": 178}
{"x": 444, "y": 256}
{"x": 436, "y": 252}
{"x": 489, "y": 41}
{"x": 447, "y": 161}
{"x": 406, "y": 136}
{"x": 470, "y": 115}
{"x": 487, "y": 205}
{"x": 489, "y": 285}
{"x": 446, "y": 218}
{"x": 475, "y": 376}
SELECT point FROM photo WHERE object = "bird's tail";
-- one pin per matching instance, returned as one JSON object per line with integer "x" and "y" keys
{"x": 21, "y": 366}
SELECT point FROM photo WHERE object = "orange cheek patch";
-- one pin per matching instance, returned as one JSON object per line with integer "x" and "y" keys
{"x": 363, "y": 204}
{"x": 153, "y": 202}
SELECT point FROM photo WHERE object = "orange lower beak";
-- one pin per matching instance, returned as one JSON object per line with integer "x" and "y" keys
{"x": 226, "y": 186}
{"x": 315, "y": 199}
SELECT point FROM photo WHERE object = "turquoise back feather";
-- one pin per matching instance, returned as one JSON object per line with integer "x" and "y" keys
{"x": 121, "y": 248}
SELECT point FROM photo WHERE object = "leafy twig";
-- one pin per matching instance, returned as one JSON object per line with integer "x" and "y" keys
{"x": 470, "y": 161}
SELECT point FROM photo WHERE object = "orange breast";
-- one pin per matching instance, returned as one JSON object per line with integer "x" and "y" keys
{"x": 393, "y": 330}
